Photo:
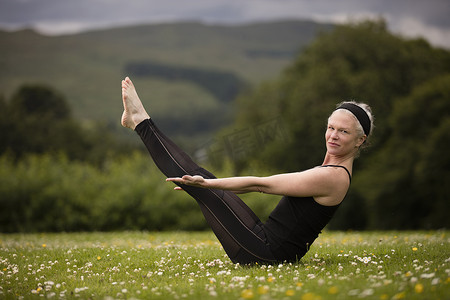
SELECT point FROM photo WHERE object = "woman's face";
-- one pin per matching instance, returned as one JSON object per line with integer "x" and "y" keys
{"x": 342, "y": 137}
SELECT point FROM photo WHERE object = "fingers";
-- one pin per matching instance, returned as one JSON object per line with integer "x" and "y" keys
{"x": 184, "y": 179}
{"x": 188, "y": 180}
{"x": 175, "y": 179}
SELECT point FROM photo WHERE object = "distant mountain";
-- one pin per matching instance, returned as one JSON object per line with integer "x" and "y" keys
{"x": 186, "y": 73}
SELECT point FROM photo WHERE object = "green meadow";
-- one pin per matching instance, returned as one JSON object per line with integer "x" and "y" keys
{"x": 181, "y": 265}
{"x": 245, "y": 100}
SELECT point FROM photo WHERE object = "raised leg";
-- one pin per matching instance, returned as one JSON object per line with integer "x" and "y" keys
{"x": 236, "y": 226}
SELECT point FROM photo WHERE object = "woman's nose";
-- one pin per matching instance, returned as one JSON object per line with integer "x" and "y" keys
{"x": 334, "y": 135}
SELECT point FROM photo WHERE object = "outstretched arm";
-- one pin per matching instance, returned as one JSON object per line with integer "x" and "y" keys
{"x": 317, "y": 182}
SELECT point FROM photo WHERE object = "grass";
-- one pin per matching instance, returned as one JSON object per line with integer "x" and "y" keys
{"x": 179, "y": 265}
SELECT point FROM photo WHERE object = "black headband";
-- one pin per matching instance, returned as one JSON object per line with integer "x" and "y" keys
{"x": 360, "y": 114}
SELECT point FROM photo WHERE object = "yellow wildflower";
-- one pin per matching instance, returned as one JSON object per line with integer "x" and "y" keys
{"x": 44, "y": 245}
{"x": 333, "y": 290}
{"x": 270, "y": 279}
{"x": 98, "y": 258}
{"x": 299, "y": 284}
{"x": 414, "y": 249}
{"x": 247, "y": 294}
{"x": 311, "y": 296}
{"x": 262, "y": 290}
{"x": 290, "y": 293}
{"x": 399, "y": 296}
{"x": 418, "y": 288}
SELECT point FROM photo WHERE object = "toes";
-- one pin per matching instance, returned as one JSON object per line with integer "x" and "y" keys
{"x": 127, "y": 83}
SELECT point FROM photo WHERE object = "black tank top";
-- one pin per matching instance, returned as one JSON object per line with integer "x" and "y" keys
{"x": 295, "y": 223}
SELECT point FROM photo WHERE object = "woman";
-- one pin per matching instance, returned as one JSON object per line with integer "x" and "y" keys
{"x": 309, "y": 200}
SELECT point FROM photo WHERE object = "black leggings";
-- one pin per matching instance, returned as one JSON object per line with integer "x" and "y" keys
{"x": 238, "y": 229}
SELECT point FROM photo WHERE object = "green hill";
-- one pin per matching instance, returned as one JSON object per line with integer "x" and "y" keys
{"x": 186, "y": 73}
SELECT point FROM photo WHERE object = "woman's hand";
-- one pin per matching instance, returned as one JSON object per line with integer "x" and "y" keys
{"x": 195, "y": 180}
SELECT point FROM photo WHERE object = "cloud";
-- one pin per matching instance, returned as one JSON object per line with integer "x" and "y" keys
{"x": 411, "y": 27}
{"x": 408, "y": 17}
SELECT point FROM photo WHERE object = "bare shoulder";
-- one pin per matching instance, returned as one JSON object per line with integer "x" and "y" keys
{"x": 336, "y": 181}
{"x": 329, "y": 174}
{"x": 336, "y": 173}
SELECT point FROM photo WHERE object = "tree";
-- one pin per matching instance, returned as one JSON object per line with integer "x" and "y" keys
{"x": 5, "y": 125}
{"x": 42, "y": 101}
{"x": 37, "y": 116}
{"x": 413, "y": 191}
{"x": 38, "y": 119}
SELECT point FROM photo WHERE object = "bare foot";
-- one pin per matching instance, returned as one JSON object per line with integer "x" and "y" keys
{"x": 134, "y": 112}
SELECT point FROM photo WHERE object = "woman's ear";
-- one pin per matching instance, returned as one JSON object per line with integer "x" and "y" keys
{"x": 361, "y": 140}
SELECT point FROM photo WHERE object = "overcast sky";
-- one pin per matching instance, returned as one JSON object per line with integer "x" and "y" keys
{"x": 427, "y": 18}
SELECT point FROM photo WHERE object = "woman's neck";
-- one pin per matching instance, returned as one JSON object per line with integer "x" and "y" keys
{"x": 346, "y": 161}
